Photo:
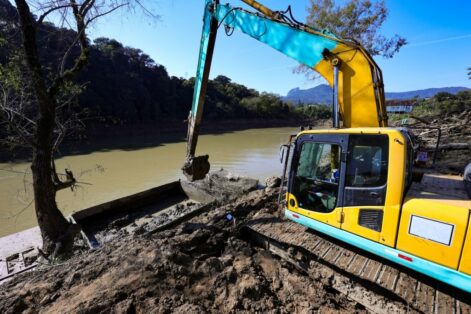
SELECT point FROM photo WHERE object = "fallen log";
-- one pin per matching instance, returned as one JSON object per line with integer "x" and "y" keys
{"x": 450, "y": 146}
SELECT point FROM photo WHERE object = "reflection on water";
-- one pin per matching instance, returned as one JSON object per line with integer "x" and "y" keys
{"x": 107, "y": 175}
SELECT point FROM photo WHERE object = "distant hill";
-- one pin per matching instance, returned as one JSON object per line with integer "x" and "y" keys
{"x": 322, "y": 94}
{"x": 425, "y": 93}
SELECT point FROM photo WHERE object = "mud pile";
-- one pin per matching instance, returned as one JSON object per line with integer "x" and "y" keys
{"x": 200, "y": 266}
{"x": 219, "y": 186}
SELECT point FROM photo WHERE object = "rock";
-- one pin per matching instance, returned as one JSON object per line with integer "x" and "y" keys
{"x": 71, "y": 279}
{"x": 273, "y": 182}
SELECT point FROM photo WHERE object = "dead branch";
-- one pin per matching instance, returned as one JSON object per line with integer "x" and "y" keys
{"x": 51, "y": 10}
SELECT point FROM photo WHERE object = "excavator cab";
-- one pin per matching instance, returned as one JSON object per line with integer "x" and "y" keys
{"x": 340, "y": 169}
{"x": 352, "y": 182}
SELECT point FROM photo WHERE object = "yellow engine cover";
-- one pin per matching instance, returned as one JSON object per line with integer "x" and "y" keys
{"x": 433, "y": 230}
{"x": 465, "y": 263}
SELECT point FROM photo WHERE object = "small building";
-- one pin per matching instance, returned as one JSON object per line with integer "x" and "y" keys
{"x": 400, "y": 105}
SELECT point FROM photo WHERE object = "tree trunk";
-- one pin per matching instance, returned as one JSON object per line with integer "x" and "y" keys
{"x": 52, "y": 223}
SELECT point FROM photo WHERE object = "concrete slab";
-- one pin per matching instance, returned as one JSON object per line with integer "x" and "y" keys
{"x": 19, "y": 242}
{"x": 3, "y": 268}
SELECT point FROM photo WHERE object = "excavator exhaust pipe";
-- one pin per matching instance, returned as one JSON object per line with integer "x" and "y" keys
{"x": 196, "y": 168}
{"x": 335, "y": 109}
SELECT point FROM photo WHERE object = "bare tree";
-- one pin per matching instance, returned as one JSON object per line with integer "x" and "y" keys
{"x": 30, "y": 104}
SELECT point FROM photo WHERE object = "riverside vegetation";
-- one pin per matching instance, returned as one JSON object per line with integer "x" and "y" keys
{"x": 125, "y": 86}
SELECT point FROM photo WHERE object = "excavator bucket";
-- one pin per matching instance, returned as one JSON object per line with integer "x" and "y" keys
{"x": 196, "y": 168}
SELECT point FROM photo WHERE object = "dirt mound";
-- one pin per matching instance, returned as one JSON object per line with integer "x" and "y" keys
{"x": 220, "y": 186}
{"x": 201, "y": 266}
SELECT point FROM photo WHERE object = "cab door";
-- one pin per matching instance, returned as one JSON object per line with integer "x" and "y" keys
{"x": 316, "y": 180}
{"x": 365, "y": 185}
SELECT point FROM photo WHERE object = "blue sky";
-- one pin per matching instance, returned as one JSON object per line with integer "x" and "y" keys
{"x": 438, "y": 54}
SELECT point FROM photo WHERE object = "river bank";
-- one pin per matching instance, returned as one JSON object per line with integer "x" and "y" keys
{"x": 201, "y": 266}
{"x": 122, "y": 166}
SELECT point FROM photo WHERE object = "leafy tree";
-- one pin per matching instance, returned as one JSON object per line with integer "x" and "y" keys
{"x": 360, "y": 20}
{"x": 222, "y": 79}
{"x": 441, "y": 96}
{"x": 444, "y": 103}
{"x": 469, "y": 73}
{"x": 357, "y": 19}
{"x": 313, "y": 111}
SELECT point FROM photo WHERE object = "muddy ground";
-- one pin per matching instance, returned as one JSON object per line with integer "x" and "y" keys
{"x": 203, "y": 265}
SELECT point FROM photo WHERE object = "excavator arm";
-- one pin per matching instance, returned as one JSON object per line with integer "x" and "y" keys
{"x": 347, "y": 67}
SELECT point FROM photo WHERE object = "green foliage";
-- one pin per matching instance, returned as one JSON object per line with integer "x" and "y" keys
{"x": 123, "y": 85}
{"x": 267, "y": 106}
{"x": 444, "y": 104}
{"x": 314, "y": 112}
{"x": 442, "y": 96}
{"x": 10, "y": 74}
{"x": 357, "y": 19}
{"x": 439, "y": 105}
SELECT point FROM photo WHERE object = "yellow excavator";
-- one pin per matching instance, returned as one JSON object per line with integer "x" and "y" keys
{"x": 354, "y": 182}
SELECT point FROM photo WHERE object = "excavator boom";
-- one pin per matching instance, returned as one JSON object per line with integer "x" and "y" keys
{"x": 345, "y": 64}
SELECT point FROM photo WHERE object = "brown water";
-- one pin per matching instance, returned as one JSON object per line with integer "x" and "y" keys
{"x": 109, "y": 174}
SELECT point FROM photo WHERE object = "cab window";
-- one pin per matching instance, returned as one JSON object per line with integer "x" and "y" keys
{"x": 368, "y": 162}
{"x": 316, "y": 180}
{"x": 367, "y": 170}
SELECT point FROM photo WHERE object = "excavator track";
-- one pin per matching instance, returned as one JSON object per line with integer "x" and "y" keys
{"x": 377, "y": 284}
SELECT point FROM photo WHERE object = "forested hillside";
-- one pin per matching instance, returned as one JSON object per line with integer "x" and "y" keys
{"x": 123, "y": 85}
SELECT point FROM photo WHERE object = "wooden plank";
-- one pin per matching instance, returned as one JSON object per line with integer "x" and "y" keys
{"x": 345, "y": 259}
{"x": 444, "y": 303}
{"x": 405, "y": 288}
{"x": 357, "y": 264}
{"x": 136, "y": 200}
{"x": 464, "y": 308}
{"x": 425, "y": 296}
{"x": 372, "y": 271}
{"x": 388, "y": 277}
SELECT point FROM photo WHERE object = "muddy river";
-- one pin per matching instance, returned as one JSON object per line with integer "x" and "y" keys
{"x": 106, "y": 174}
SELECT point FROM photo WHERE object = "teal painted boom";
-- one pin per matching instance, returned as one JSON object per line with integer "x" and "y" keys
{"x": 303, "y": 46}
{"x": 203, "y": 59}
